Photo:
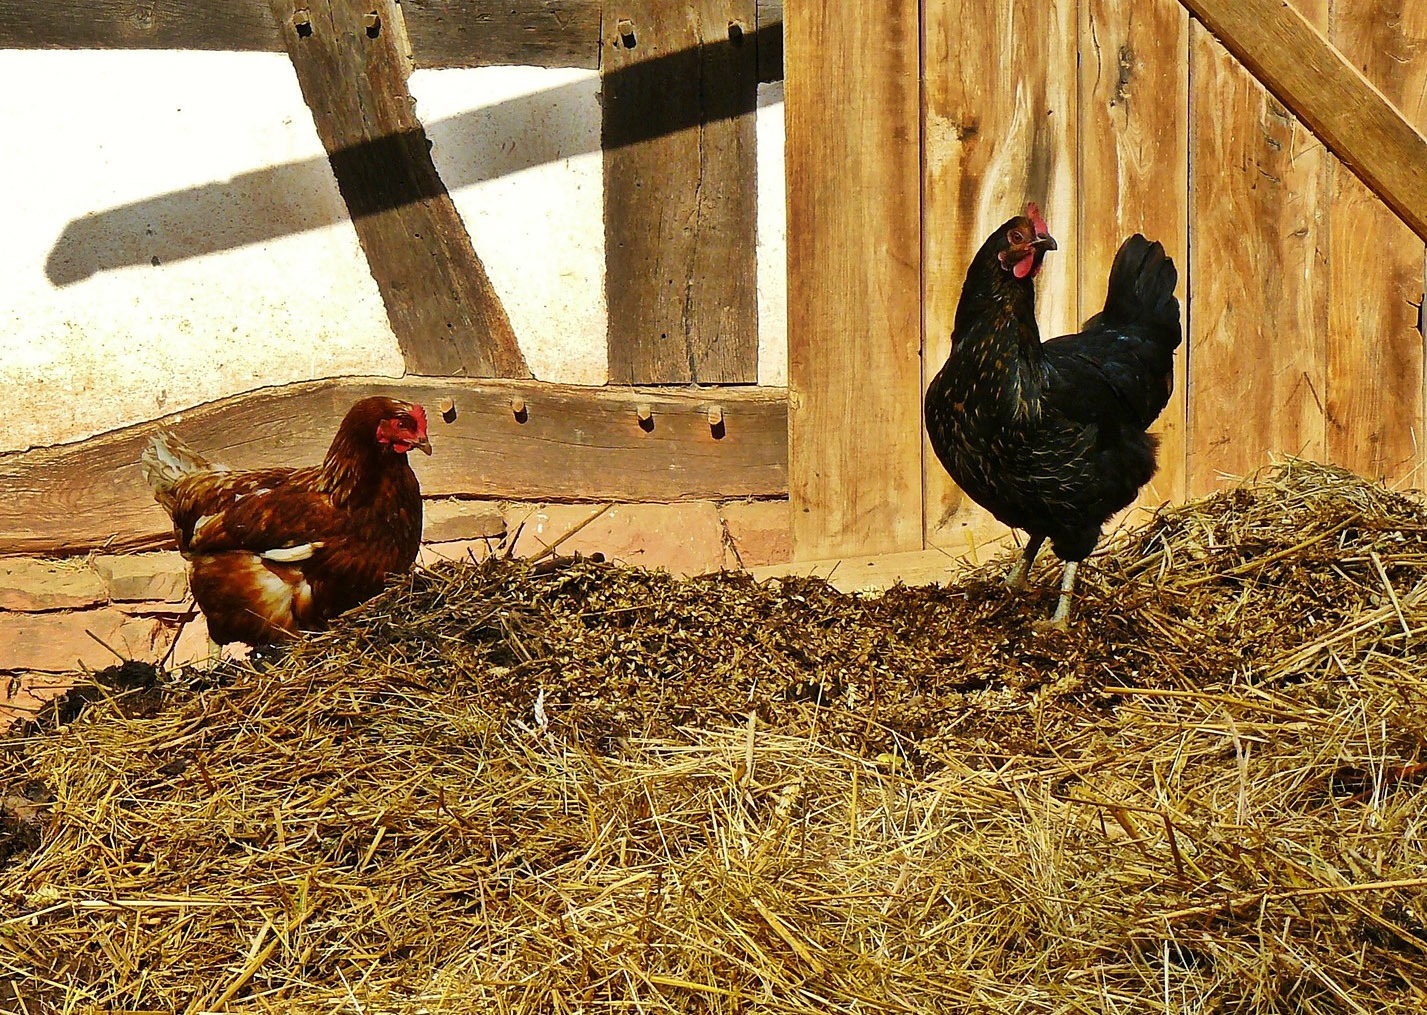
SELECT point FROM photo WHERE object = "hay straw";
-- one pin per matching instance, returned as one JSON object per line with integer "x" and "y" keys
{"x": 772, "y": 798}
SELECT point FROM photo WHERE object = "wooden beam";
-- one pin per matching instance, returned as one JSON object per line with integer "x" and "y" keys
{"x": 445, "y": 312}
{"x": 444, "y": 33}
{"x": 1322, "y": 88}
{"x": 854, "y": 277}
{"x": 566, "y": 443}
{"x": 679, "y": 87}
{"x": 479, "y": 33}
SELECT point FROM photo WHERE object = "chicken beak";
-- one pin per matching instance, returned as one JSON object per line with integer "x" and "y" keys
{"x": 1044, "y": 243}
{"x": 424, "y": 444}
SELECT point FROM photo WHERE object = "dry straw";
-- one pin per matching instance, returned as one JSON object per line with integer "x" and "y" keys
{"x": 585, "y": 788}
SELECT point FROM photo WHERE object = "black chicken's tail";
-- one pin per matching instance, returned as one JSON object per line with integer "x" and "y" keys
{"x": 1141, "y": 290}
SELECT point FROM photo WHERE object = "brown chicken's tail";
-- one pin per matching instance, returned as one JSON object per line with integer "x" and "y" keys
{"x": 167, "y": 460}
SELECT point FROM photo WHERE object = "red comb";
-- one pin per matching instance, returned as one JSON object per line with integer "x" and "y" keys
{"x": 1034, "y": 214}
{"x": 419, "y": 414}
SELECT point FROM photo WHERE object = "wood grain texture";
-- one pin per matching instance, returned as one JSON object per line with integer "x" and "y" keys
{"x": 680, "y": 193}
{"x": 1285, "y": 46}
{"x": 574, "y": 444}
{"x": 1258, "y": 313}
{"x": 479, "y": 33}
{"x": 446, "y": 315}
{"x": 1134, "y": 171}
{"x": 1375, "y": 361}
{"x": 989, "y": 150}
{"x": 444, "y": 33}
{"x": 854, "y": 268}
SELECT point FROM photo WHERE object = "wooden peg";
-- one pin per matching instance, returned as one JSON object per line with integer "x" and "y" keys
{"x": 715, "y": 415}
{"x": 645, "y": 413}
{"x": 518, "y": 409}
{"x": 447, "y": 408}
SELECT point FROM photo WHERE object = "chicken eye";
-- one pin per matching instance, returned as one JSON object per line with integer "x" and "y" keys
{"x": 1017, "y": 236}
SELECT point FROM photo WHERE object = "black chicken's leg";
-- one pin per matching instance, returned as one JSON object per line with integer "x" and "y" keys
{"x": 1017, "y": 577}
{"x": 1060, "y": 619}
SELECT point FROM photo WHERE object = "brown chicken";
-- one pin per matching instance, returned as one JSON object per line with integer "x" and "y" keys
{"x": 276, "y": 551}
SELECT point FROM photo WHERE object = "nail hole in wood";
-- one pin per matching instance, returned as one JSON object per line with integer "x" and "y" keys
{"x": 735, "y": 32}
{"x": 302, "y": 21}
{"x": 518, "y": 409}
{"x": 645, "y": 412}
{"x": 447, "y": 408}
{"x": 716, "y": 422}
{"x": 373, "y": 23}
{"x": 625, "y": 27}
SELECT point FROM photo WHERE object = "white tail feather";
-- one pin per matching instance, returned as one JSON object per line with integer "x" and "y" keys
{"x": 168, "y": 459}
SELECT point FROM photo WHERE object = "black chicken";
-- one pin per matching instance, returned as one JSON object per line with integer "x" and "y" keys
{"x": 1050, "y": 437}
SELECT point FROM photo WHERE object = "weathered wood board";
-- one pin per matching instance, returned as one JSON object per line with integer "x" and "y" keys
{"x": 1134, "y": 172}
{"x": 680, "y": 193}
{"x": 854, "y": 267}
{"x": 990, "y": 150}
{"x": 445, "y": 312}
{"x": 1375, "y": 361}
{"x": 1259, "y": 282}
{"x": 1286, "y": 48}
{"x": 567, "y": 443}
{"x": 444, "y": 33}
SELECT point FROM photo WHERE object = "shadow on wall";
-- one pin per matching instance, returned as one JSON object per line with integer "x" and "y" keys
{"x": 237, "y": 212}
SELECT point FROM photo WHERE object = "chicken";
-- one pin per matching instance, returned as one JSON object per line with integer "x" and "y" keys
{"x": 275, "y": 551}
{"x": 1050, "y": 438}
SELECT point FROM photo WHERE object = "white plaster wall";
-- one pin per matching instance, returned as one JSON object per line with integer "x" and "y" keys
{"x": 772, "y": 240}
{"x": 519, "y": 149}
{"x": 173, "y": 232}
{"x": 93, "y": 334}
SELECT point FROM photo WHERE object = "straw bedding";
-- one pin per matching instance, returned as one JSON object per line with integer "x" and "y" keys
{"x": 586, "y": 788}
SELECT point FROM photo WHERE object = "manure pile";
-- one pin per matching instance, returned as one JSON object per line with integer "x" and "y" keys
{"x": 582, "y": 788}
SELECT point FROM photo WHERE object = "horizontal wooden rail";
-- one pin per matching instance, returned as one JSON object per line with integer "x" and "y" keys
{"x": 443, "y": 33}
{"x": 518, "y": 440}
{"x": 1322, "y": 88}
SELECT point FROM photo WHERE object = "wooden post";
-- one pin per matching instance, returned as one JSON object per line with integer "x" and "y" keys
{"x": 446, "y": 315}
{"x": 854, "y": 270}
{"x": 679, "y": 81}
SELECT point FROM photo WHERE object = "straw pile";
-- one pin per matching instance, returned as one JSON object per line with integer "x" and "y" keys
{"x": 597, "y": 789}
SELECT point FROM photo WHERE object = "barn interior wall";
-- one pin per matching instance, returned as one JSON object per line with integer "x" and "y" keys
{"x": 179, "y": 235}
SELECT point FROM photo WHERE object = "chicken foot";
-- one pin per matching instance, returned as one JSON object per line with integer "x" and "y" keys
{"x": 1016, "y": 578}
{"x": 1060, "y": 619}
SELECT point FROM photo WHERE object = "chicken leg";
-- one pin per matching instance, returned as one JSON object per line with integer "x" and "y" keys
{"x": 1060, "y": 619}
{"x": 1016, "y": 578}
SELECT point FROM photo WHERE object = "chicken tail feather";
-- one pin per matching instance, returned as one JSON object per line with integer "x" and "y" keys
{"x": 167, "y": 460}
{"x": 1141, "y": 289}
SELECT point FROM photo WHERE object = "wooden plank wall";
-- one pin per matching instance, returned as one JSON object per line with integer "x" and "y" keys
{"x": 1301, "y": 289}
{"x": 854, "y": 268}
